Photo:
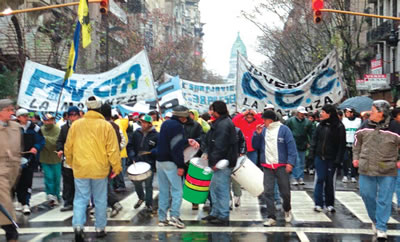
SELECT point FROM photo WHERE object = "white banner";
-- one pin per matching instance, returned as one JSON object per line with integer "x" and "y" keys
{"x": 125, "y": 84}
{"x": 255, "y": 89}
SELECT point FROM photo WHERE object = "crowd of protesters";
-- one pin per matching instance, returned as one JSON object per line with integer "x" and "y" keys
{"x": 92, "y": 152}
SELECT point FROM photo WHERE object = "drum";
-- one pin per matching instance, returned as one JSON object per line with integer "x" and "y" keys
{"x": 139, "y": 171}
{"x": 197, "y": 182}
{"x": 249, "y": 176}
{"x": 189, "y": 153}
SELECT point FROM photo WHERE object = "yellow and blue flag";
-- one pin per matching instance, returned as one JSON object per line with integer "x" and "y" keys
{"x": 83, "y": 14}
{"x": 73, "y": 52}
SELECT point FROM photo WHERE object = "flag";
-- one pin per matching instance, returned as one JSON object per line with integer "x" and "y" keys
{"x": 83, "y": 14}
{"x": 73, "y": 53}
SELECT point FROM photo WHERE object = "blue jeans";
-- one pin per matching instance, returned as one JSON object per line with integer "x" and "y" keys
{"x": 253, "y": 156}
{"x": 325, "y": 172}
{"x": 52, "y": 179}
{"x": 84, "y": 188}
{"x": 398, "y": 188}
{"x": 377, "y": 194}
{"x": 119, "y": 181}
{"x": 298, "y": 169}
{"x": 149, "y": 190}
{"x": 219, "y": 189}
{"x": 168, "y": 181}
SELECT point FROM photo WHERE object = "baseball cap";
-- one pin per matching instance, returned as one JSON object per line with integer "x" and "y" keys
{"x": 73, "y": 110}
{"x": 301, "y": 109}
{"x": 269, "y": 106}
{"x": 147, "y": 118}
{"x": 47, "y": 116}
{"x": 168, "y": 114}
{"x": 269, "y": 114}
{"x": 21, "y": 111}
{"x": 180, "y": 111}
{"x": 135, "y": 115}
{"x": 93, "y": 102}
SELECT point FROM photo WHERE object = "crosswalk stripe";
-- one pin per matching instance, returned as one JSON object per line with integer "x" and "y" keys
{"x": 303, "y": 237}
{"x": 54, "y": 215}
{"x": 249, "y": 209}
{"x": 40, "y": 237}
{"x": 353, "y": 202}
{"x": 37, "y": 199}
{"x": 187, "y": 214}
{"x": 128, "y": 212}
{"x": 303, "y": 208}
{"x": 395, "y": 199}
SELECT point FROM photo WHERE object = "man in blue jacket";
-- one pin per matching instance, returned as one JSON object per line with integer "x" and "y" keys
{"x": 278, "y": 155}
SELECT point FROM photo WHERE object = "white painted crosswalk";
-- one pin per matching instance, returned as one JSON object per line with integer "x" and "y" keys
{"x": 303, "y": 208}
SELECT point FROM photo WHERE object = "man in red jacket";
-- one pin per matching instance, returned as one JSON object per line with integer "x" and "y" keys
{"x": 247, "y": 123}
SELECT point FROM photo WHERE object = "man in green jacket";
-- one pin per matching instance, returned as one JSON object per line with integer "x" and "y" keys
{"x": 302, "y": 133}
{"x": 51, "y": 163}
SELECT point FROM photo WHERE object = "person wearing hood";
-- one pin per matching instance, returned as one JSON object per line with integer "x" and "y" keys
{"x": 141, "y": 147}
{"x": 375, "y": 153}
{"x": 194, "y": 114}
{"x": 351, "y": 124}
{"x": 51, "y": 163}
{"x": 327, "y": 150}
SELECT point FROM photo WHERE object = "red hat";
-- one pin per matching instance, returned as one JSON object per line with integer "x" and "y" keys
{"x": 135, "y": 114}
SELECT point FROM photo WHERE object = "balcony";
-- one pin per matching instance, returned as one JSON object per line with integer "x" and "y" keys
{"x": 382, "y": 32}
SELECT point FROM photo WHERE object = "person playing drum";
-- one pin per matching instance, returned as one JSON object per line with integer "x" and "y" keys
{"x": 141, "y": 147}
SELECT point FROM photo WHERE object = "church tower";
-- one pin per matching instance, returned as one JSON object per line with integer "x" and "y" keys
{"x": 238, "y": 45}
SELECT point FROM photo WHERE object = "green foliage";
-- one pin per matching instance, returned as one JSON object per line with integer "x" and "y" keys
{"x": 8, "y": 83}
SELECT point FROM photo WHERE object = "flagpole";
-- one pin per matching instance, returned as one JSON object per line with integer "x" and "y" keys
{"x": 341, "y": 74}
{"x": 59, "y": 98}
{"x": 237, "y": 79}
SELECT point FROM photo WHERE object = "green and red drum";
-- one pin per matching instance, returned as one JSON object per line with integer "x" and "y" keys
{"x": 197, "y": 182}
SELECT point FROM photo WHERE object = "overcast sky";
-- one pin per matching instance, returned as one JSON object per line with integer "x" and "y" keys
{"x": 223, "y": 21}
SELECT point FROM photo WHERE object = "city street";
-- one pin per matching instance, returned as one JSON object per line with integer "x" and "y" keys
{"x": 349, "y": 223}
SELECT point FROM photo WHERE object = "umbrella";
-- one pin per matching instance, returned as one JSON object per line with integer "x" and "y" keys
{"x": 5, "y": 212}
{"x": 360, "y": 104}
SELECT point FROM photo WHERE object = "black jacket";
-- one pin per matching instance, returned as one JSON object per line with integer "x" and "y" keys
{"x": 62, "y": 137}
{"x": 329, "y": 141}
{"x": 221, "y": 142}
{"x": 139, "y": 143}
{"x": 241, "y": 141}
{"x": 193, "y": 130}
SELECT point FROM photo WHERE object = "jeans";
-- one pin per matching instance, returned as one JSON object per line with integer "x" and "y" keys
{"x": 298, "y": 169}
{"x": 24, "y": 186}
{"x": 68, "y": 186}
{"x": 398, "y": 188}
{"x": 219, "y": 190}
{"x": 84, "y": 188}
{"x": 52, "y": 179}
{"x": 169, "y": 183}
{"x": 119, "y": 181}
{"x": 325, "y": 172}
{"x": 149, "y": 190}
{"x": 253, "y": 156}
{"x": 282, "y": 178}
{"x": 377, "y": 194}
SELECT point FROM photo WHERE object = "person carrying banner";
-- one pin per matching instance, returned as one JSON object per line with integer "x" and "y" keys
{"x": 91, "y": 150}
{"x": 51, "y": 163}
{"x": 220, "y": 143}
{"x": 10, "y": 161}
{"x": 170, "y": 166}
{"x": 66, "y": 171}
{"x": 278, "y": 155}
{"x": 33, "y": 143}
{"x": 302, "y": 132}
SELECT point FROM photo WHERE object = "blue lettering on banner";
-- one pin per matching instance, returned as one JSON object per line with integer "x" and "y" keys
{"x": 319, "y": 91}
{"x": 279, "y": 95}
{"x": 246, "y": 81}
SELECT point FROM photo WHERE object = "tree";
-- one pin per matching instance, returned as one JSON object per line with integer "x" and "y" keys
{"x": 8, "y": 83}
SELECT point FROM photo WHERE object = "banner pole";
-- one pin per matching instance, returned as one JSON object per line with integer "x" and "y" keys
{"x": 237, "y": 79}
{"x": 59, "y": 98}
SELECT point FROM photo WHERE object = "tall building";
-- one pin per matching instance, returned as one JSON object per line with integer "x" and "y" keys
{"x": 238, "y": 46}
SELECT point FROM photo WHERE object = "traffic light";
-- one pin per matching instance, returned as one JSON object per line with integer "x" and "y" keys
{"x": 317, "y": 5}
{"x": 104, "y": 7}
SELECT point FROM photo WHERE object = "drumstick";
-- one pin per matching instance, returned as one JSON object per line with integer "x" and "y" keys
{"x": 26, "y": 152}
{"x": 144, "y": 153}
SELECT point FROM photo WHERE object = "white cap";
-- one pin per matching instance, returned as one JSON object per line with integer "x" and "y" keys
{"x": 301, "y": 109}
{"x": 168, "y": 114}
{"x": 269, "y": 106}
{"x": 93, "y": 104}
{"x": 21, "y": 111}
{"x": 114, "y": 112}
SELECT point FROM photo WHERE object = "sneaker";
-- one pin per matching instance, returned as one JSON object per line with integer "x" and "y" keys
{"x": 208, "y": 218}
{"x": 218, "y": 221}
{"x": 381, "y": 234}
{"x": 138, "y": 204}
{"x": 237, "y": 201}
{"x": 301, "y": 181}
{"x": 318, "y": 209}
{"x": 18, "y": 206}
{"x": 311, "y": 172}
{"x": 163, "y": 223}
{"x": 288, "y": 217}
{"x": 295, "y": 183}
{"x": 67, "y": 208}
{"x": 177, "y": 222}
{"x": 353, "y": 180}
{"x": 374, "y": 228}
{"x": 116, "y": 208}
{"x": 100, "y": 233}
{"x": 26, "y": 210}
{"x": 269, "y": 222}
{"x": 345, "y": 180}
{"x": 149, "y": 209}
{"x": 120, "y": 190}
{"x": 331, "y": 209}
{"x": 79, "y": 234}
{"x": 195, "y": 206}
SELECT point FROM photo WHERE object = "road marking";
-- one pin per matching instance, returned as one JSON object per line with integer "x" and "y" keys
{"x": 249, "y": 209}
{"x": 40, "y": 237}
{"x": 37, "y": 199}
{"x": 128, "y": 212}
{"x": 353, "y": 202}
{"x": 303, "y": 237}
{"x": 209, "y": 229}
{"x": 54, "y": 215}
{"x": 395, "y": 198}
{"x": 303, "y": 208}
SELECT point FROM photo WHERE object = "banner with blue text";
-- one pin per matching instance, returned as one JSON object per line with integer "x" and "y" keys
{"x": 125, "y": 84}
{"x": 256, "y": 89}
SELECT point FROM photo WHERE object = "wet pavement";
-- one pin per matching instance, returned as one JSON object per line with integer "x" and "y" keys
{"x": 349, "y": 223}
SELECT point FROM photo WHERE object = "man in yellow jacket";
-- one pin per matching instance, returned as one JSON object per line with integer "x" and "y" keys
{"x": 91, "y": 149}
